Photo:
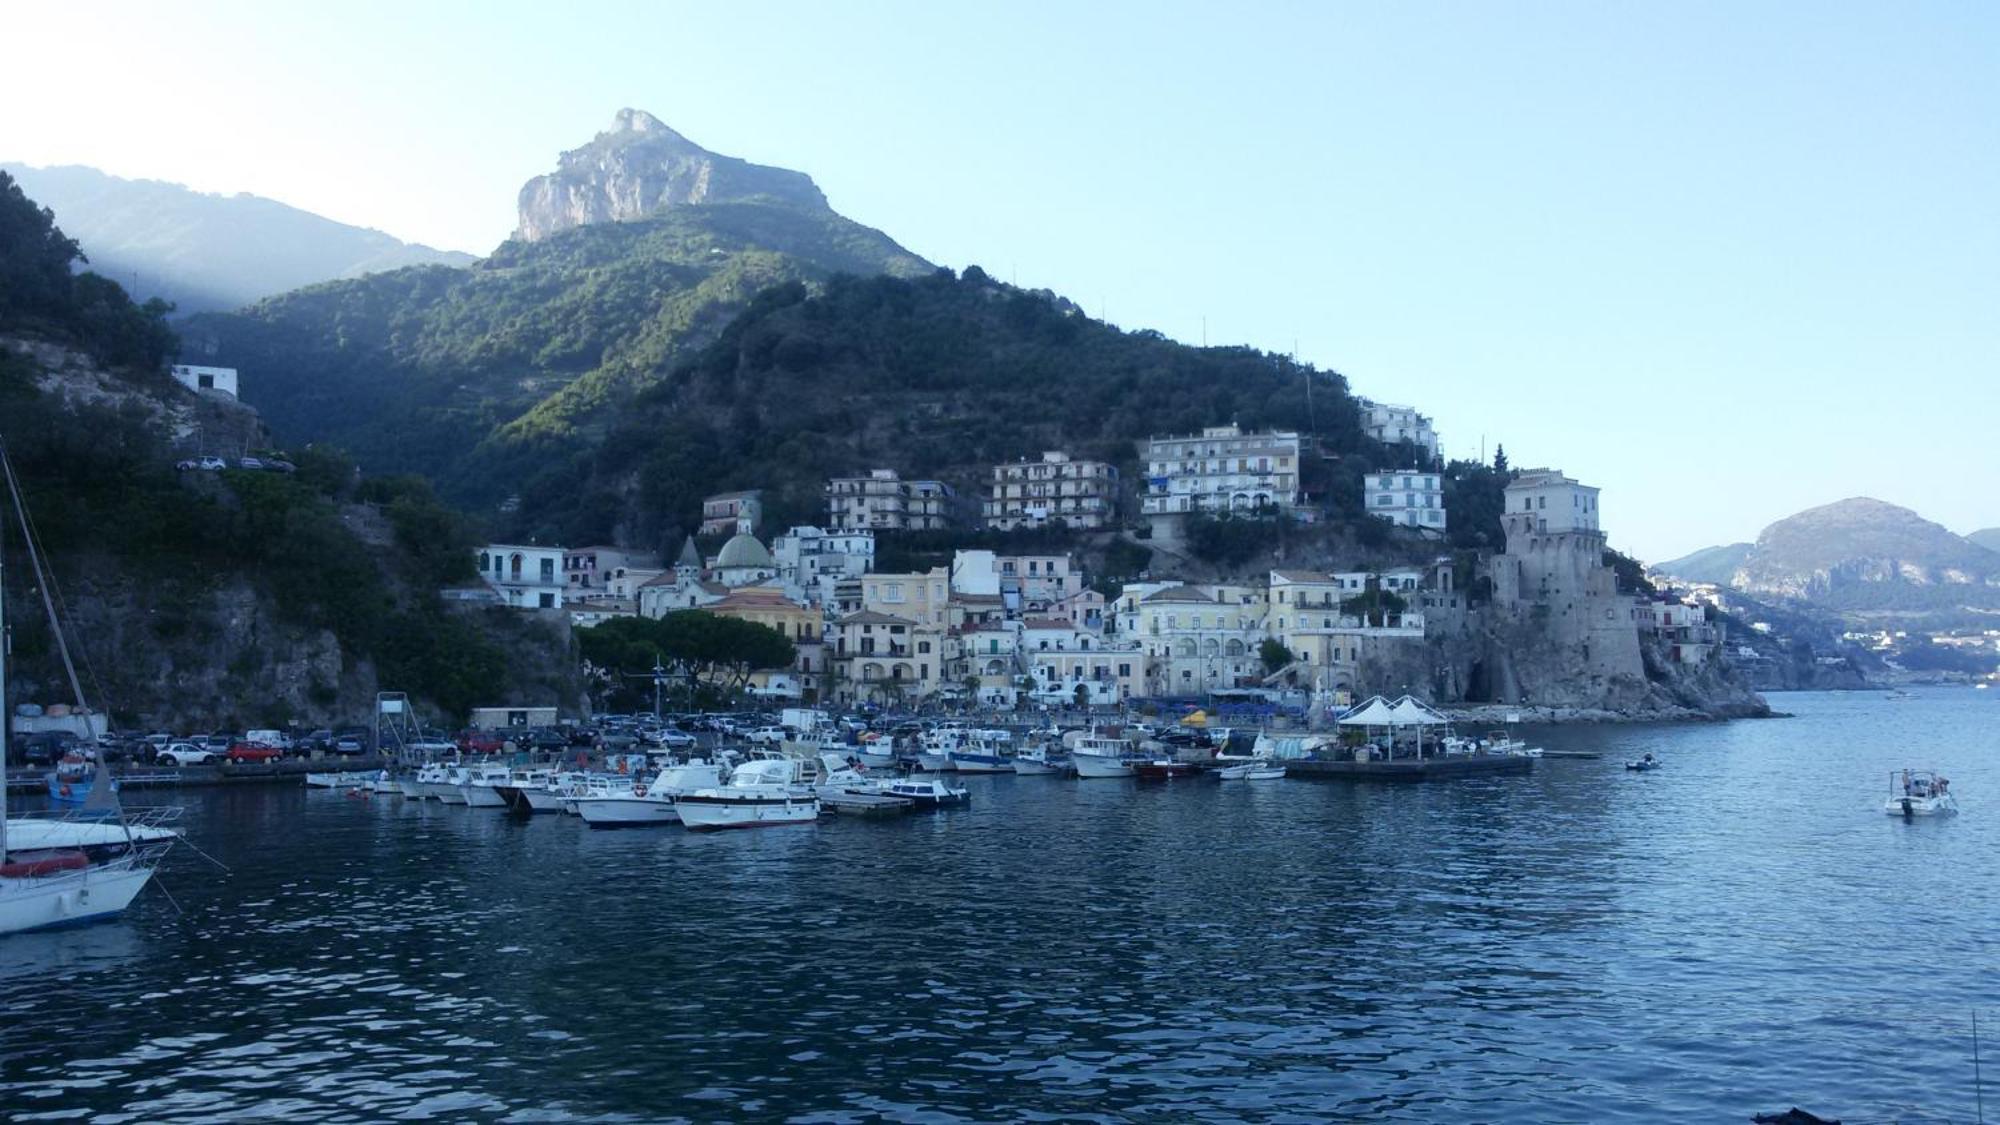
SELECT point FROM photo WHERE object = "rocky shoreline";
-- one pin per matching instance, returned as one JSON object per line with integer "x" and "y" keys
{"x": 1499, "y": 714}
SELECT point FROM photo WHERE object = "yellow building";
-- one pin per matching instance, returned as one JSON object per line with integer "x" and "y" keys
{"x": 799, "y": 624}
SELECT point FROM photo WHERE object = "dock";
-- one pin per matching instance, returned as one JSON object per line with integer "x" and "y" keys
{"x": 1410, "y": 769}
{"x": 292, "y": 770}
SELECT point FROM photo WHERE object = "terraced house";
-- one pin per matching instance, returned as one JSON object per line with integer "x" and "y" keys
{"x": 1222, "y": 469}
{"x": 1081, "y": 494}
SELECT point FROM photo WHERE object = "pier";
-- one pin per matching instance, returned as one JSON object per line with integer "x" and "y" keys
{"x": 1411, "y": 769}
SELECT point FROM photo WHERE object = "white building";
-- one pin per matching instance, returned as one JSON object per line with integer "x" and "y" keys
{"x": 1544, "y": 502}
{"x": 732, "y": 512}
{"x": 526, "y": 577}
{"x": 812, "y": 560}
{"x": 1391, "y": 425}
{"x": 1407, "y": 498}
{"x": 606, "y": 572}
{"x": 1222, "y": 469}
{"x": 1082, "y": 494}
{"x": 197, "y": 378}
{"x": 883, "y": 501}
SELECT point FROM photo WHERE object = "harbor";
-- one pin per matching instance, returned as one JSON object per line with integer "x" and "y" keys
{"x": 1034, "y": 953}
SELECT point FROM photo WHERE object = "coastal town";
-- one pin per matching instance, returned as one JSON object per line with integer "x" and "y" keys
{"x": 1010, "y": 631}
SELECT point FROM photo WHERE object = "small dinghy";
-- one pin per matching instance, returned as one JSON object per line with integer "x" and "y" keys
{"x": 1644, "y": 763}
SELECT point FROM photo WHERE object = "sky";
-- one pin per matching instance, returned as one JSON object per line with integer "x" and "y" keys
{"x": 1725, "y": 261}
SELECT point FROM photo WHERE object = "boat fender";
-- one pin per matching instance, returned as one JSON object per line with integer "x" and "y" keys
{"x": 65, "y": 789}
{"x": 638, "y": 790}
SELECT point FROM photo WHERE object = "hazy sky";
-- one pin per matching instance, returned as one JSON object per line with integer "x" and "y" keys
{"x": 1725, "y": 261}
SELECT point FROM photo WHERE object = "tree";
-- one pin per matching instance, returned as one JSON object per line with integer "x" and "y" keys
{"x": 705, "y": 647}
{"x": 1500, "y": 460}
{"x": 1274, "y": 654}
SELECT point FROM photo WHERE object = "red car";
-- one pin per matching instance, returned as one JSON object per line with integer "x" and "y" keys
{"x": 253, "y": 752}
{"x": 480, "y": 742}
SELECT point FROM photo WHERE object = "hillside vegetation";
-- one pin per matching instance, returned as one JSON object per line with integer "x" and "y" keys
{"x": 218, "y": 598}
{"x": 468, "y": 375}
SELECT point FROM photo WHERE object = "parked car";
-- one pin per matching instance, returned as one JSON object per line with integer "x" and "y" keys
{"x": 674, "y": 739}
{"x": 280, "y": 466}
{"x": 249, "y": 463}
{"x": 431, "y": 744}
{"x": 253, "y": 752}
{"x": 480, "y": 742}
{"x": 350, "y": 742}
{"x": 766, "y": 736}
{"x": 184, "y": 754}
{"x": 315, "y": 742}
{"x": 210, "y": 464}
{"x": 547, "y": 738}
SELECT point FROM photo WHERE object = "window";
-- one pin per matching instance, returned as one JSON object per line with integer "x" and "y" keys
{"x": 548, "y": 601}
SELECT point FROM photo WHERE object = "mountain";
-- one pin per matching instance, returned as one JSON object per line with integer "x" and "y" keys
{"x": 1710, "y": 564}
{"x": 483, "y": 375}
{"x": 642, "y": 167}
{"x": 203, "y": 251}
{"x": 1861, "y": 542}
{"x": 1988, "y": 538}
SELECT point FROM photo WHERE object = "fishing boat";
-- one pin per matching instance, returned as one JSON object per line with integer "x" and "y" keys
{"x": 1161, "y": 769}
{"x": 1035, "y": 761}
{"x": 650, "y": 802}
{"x": 935, "y": 747}
{"x": 875, "y": 752}
{"x": 70, "y": 781}
{"x": 984, "y": 751}
{"x": 515, "y": 789}
{"x": 759, "y": 794}
{"x": 325, "y": 780}
{"x": 1098, "y": 756}
{"x": 1919, "y": 793}
{"x": 84, "y": 866}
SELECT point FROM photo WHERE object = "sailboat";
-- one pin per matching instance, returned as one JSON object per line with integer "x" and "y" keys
{"x": 84, "y": 866}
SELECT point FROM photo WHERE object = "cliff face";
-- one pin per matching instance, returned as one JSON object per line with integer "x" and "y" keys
{"x": 641, "y": 167}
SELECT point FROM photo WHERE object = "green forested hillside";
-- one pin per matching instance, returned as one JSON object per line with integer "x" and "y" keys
{"x": 935, "y": 376}
{"x": 417, "y": 369}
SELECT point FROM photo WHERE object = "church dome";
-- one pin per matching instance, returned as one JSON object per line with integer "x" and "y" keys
{"x": 743, "y": 551}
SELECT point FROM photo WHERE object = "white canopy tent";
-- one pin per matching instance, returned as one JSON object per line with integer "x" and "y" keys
{"x": 1406, "y": 713}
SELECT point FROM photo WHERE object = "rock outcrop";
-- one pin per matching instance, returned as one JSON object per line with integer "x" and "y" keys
{"x": 641, "y": 167}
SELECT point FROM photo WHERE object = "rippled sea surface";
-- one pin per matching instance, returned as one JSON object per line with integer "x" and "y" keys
{"x": 1741, "y": 931}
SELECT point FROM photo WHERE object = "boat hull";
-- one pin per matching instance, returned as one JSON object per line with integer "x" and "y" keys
{"x": 1093, "y": 765}
{"x": 1920, "y": 806}
{"x": 704, "y": 814}
{"x": 1162, "y": 771}
{"x": 411, "y": 788}
{"x": 447, "y": 792}
{"x": 981, "y": 763}
{"x": 482, "y": 796}
{"x": 1024, "y": 767}
{"x": 542, "y": 800}
{"x": 934, "y": 763}
{"x": 623, "y": 812}
{"x": 74, "y": 899}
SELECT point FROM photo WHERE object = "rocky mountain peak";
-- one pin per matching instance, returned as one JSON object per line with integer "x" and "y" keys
{"x": 641, "y": 167}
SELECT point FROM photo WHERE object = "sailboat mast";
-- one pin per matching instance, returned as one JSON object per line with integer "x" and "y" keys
{"x": 3, "y": 692}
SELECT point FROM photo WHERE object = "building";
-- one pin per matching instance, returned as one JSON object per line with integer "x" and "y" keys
{"x": 1683, "y": 629}
{"x": 606, "y": 572}
{"x": 1328, "y": 622}
{"x": 1082, "y": 494}
{"x": 743, "y": 561}
{"x": 732, "y": 512}
{"x": 805, "y": 555}
{"x": 1406, "y": 498}
{"x": 670, "y": 593}
{"x": 1195, "y": 639}
{"x": 922, "y": 598}
{"x": 501, "y": 718}
{"x": 524, "y": 576}
{"x": 883, "y": 501}
{"x": 799, "y": 624}
{"x": 1394, "y": 425}
{"x": 1543, "y": 501}
{"x": 197, "y": 378}
{"x": 596, "y": 611}
{"x": 1035, "y": 583}
{"x": 885, "y": 659}
{"x": 1221, "y": 470}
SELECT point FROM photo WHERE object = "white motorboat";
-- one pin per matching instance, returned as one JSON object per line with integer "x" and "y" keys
{"x": 651, "y": 802}
{"x": 759, "y": 794}
{"x": 515, "y": 789}
{"x": 589, "y": 786}
{"x": 385, "y": 782}
{"x": 1099, "y": 756}
{"x": 80, "y": 867}
{"x": 410, "y": 786}
{"x": 479, "y": 786}
{"x": 875, "y": 753}
{"x": 1259, "y": 770}
{"x": 325, "y": 780}
{"x": 1497, "y": 743}
{"x": 1919, "y": 793}
{"x": 546, "y": 797}
{"x": 927, "y": 793}
{"x": 441, "y": 781}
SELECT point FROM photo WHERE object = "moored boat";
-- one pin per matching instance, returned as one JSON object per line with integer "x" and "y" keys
{"x": 1099, "y": 756}
{"x": 759, "y": 794}
{"x": 650, "y": 802}
{"x": 928, "y": 794}
{"x": 1161, "y": 769}
{"x": 479, "y": 786}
